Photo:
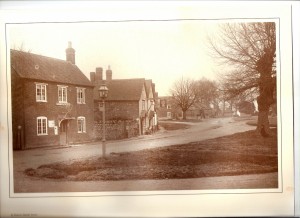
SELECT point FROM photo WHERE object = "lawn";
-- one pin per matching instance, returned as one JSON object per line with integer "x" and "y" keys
{"x": 173, "y": 126}
{"x": 237, "y": 154}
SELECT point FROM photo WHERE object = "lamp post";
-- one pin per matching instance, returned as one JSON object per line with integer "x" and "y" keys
{"x": 103, "y": 92}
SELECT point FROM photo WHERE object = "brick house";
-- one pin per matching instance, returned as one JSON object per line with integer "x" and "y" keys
{"x": 166, "y": 108}
{"x": 130, "y": 100}
{"x": 52, "y": 101}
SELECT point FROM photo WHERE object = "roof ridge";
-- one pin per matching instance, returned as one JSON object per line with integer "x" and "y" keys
{"x": 128, "y": 79}
{"x": 43, "y": 56}
{"x": 45, "y": 68}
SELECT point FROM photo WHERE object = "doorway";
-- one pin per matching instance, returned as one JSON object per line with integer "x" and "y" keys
{"x": 63, "y": 130}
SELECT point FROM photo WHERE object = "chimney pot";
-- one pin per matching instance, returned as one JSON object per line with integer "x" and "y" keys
{"x": 70, "y": 53}
{"x": 108, "y": 74}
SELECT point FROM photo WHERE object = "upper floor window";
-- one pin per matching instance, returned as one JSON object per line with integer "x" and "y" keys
{"x": 143, "y": 105}
{"x": 152, "y": 105}
{"x": 62, "y": 94}
{"x": 41, "y": 92}
{"x": 42, "y": 126}
{"x": 81, "y": 125}
{"x": 80, "y": 95}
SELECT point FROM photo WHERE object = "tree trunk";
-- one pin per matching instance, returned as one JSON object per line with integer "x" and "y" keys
{"x": 184, "y": 115}
{"x": 223, "y": 107}
{"x": 264, "y": 101}
{"x": 263, "y": 126}
{"x": 267, "y": 85}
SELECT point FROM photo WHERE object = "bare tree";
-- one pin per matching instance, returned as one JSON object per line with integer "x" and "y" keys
{"x": 207, "y": 92}
{"x": 184, "y": 94}
{"x": 249, "y": 51}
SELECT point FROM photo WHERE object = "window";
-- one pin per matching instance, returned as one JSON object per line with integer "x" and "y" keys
{"x": 80, "y": 95}
{"x": 168, "y": 106}
{"x": 169, "y": 115}
{"x": 42, "y": 126}
{"x": 62, "y": 94}
{"x": 143, "y": 105}
{"x": 81, "y": 124}
{"x": 41, "y": 92}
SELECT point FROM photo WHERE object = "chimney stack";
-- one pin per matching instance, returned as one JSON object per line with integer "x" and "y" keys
{"x": 99, "y": 74}
{"x": 70, "y": 53}
{"x": 108, "y": 74}
{"x": 92, "y": 76}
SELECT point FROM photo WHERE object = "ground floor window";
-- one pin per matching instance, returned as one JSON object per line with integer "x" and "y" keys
{"x": 42, "y": 126}
{"x": 81, "y": 125}
{"x": 169, "y": 115}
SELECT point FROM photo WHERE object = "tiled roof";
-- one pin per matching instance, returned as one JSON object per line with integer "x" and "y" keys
{"x": 122, "y": 89}
{"x": 38, "y": 67}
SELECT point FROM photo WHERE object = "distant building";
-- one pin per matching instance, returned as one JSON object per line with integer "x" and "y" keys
{"x": 52, "y": 101}
{"x": 166, "y": 109}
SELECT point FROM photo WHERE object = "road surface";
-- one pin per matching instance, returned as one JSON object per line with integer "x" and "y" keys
{"x": 210, "y": 128}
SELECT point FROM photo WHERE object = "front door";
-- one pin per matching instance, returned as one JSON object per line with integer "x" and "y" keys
{"x": 63, "y": 132}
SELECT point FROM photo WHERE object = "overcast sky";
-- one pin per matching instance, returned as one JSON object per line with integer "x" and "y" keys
{"x": 163, "y": 51}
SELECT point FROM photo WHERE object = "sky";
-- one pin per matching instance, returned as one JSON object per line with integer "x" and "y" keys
{"x": 163, "y": 51}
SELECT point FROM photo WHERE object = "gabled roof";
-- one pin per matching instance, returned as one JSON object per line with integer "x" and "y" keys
{"x": 148, "y": 86}
{"x": 38, "y": 67}
{"x": 122, "y": 89}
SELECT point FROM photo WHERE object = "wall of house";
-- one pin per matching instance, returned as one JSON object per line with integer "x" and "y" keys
{"x": 52, "y": 110}
{"x": 116, "y": 129}
{"x": 17, "y": 111}
{"x": 121, "y": 119}
{"x": 143, "y": 97}
{"x": 117, "y": 110}
{"x": 165, "y": 107}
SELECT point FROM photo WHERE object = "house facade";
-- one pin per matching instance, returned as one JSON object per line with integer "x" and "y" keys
{"x": 52, "y": 101}
{"x": 129, "y": 100}
{"x": 166, "y": 108}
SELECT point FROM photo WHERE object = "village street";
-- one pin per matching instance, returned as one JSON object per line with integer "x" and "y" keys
{"x": 210, "y": 128}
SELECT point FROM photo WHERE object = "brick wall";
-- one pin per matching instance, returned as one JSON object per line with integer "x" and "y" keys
{"x": 116, "y": 129}
{"x": 118, "y": 110}
{"x": 121, "y": 120}
{"x": 52, "y": 111}
{"x": 17, "y": 110}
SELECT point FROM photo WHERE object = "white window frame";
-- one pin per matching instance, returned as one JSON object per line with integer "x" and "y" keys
{"x": 80, "y": 95}
{"x": 43, "y": 129}
{"x": 64, "y": 98}
{"x": 82, "y": 127}
{"x": 169, "y": 114}
{"x": 41, "y": 86}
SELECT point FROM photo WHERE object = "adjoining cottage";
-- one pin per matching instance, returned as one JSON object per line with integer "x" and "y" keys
{"x": 52, "y": 101}
{"x": 130, "y": 105}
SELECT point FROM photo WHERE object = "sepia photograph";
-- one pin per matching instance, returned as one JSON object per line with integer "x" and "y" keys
{"x": 149, "y": 106}
{"x": 124, "y": 106}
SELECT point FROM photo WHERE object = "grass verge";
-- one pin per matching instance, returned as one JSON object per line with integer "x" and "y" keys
{"x": 237, "y": 154}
